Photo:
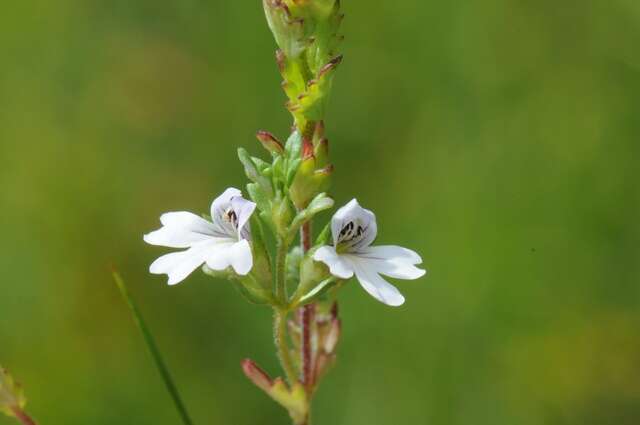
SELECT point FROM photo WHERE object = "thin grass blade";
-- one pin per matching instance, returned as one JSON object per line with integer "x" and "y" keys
{"x": 153, "y": 350}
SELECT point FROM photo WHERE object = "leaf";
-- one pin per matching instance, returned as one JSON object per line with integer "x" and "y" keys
{"x": 252, "y": 172}
{"x": 320, "y": 203}
{"x": 293, "y": 146}
{"x": 317, "y": 291}
{"x": 257, "y": 195}
{"x": 293, "y": 266}
{"x": 263, "y": 166}
{"x": 261, "y": 261}
{"x": 294, "y": 165}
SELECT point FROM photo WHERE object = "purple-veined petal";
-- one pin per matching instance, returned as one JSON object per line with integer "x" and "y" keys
{"x": 354, "y": 226}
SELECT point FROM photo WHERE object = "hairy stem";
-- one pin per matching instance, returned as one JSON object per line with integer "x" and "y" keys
{"x": 280, "y": 336}
{"x": 22, "y": 416}
{"x": 281, "y": 284}
{"x": 280, "y": 314}
{"x": 307, "y": 316}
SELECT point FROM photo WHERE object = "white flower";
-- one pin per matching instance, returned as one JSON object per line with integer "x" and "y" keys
{"x": 220, "y": 244}
{"x": 354, "y": 229}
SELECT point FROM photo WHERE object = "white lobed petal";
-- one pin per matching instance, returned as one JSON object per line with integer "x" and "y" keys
{"x": 180, "y": 230}
{"x": 179, "y": 265}
{"x": 338, "y": 265}
{"x": 375, "y": 285}
{"x": 222, "y": 202}
{"x": 398, "y": 270}
{"x": 241, "y": 257}
{"x": 243, "y": 210}
{"x": 231, "y": 253}
{"x": 393, "y": 261}
{"x": 353, "y": 212}
{"x": 392, "y": 252}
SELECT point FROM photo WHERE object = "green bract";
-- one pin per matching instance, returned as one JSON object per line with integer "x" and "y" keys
{"x": 306, "y": 32}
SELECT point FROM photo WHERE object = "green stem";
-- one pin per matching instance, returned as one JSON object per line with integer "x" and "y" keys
{"x": 153, "y": 350}
{"x": 280, "y": 313}
{"x": 280, "y": 336}
{"x": 281, "y": 284}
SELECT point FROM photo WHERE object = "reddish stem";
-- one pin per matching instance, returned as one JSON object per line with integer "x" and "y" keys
{"x": 308, "y": 313}
{"x": 305, "y": 235}
{"x": 22, "y": 416}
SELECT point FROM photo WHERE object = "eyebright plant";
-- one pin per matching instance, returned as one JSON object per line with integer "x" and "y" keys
{"x": 300, "y": 281}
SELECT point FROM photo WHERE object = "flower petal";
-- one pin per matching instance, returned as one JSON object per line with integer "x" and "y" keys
{"x": 393, "y": 252}
{"x": 179, "y": 265}
{"x": 222, "y": 203}
{"x": 338, "y": 266}
{"x": 393, "y": 261}
{"x": 375, "y": 285}
{"x": 243, "y": 210}
{"x": 180, "y": 230}
{"x": 241, "y": 257}
{"x": 231, "y": 253}
{"x": 397, "y": 270}
{"x": 355, "y": 216}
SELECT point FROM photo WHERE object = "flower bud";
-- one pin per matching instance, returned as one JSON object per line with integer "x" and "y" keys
{"x": 270, "y": 142}
{"x": 256, "y": 375}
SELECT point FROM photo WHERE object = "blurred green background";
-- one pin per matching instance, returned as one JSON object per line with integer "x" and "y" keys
{"x": 499, "y": 138}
